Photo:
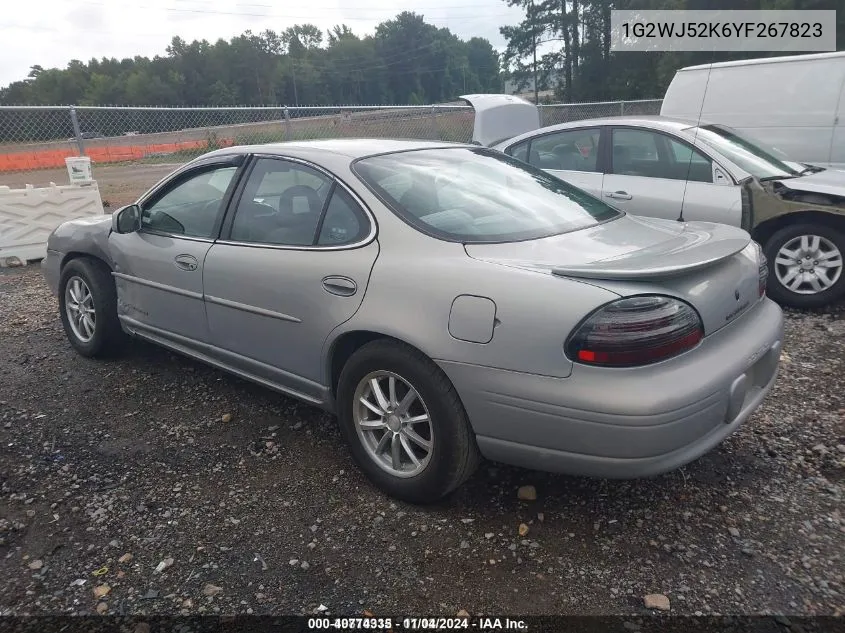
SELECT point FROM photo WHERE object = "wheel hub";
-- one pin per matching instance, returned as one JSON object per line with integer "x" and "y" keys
{"x": 79, "y": 308}
{"x": 394, "y": 423}
{"x": 808, "y": 264}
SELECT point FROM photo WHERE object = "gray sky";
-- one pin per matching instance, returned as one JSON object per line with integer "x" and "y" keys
{"x": 52, "y": 32}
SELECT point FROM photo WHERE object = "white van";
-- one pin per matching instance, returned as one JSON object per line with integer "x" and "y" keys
{"x": 795, "y": 104}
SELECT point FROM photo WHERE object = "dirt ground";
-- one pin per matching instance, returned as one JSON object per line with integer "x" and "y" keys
{"x": 121, "y": 480}
{"x": 119, "y": 184}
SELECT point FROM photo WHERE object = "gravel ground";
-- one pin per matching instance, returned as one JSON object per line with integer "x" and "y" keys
{"x": 153, "y": 484}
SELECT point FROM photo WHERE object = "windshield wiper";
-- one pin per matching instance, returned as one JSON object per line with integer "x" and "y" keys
{"x": 784, "y": 177}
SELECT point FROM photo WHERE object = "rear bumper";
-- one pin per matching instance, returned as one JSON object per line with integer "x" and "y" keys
{"x": 623, "y": 423}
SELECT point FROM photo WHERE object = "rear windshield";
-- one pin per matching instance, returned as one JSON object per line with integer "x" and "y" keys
{"x": 478, "y": 195}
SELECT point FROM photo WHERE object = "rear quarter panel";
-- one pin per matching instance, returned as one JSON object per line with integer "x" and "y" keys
{"x": 415, "y": 282}
{"x": 416, "y": 279}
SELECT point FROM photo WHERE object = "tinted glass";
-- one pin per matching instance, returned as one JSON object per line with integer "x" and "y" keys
{"x": 698, "y": 167}
{"x": 281, "y": 204}
{"x": 344, "y": 222}
{"x": 634, "y": 153}
{"x": 478, "y": 195}
{"x": 191, "y": 207}
{"x": 573, "y": 150}
{"x": 758, "y": 160}
{"x": 519, "y": 152}
{"x": 652, "y": 154}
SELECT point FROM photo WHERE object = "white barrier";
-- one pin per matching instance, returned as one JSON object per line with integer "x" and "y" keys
{"x": 28, "y": 216}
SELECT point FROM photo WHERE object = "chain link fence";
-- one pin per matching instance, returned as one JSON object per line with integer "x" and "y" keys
{"x": 131, "y": 148}
{"x": 556, "y": 113}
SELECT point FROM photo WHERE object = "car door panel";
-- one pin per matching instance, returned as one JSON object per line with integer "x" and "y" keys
{"x": 159, "y": 268}
{"x": 153, "y": 290}
{"x": 276, "y": 307}
{"x": 294, "y": 264}
{"x": 710, "y": 202}
{"x": 653, "y": 173}
{"x": 654, "y": 197}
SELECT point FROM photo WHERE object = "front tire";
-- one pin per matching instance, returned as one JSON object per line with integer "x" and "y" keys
{"x": 88, "y": 308}
{"x": 806, "y": 265}
{"x": 404, "y": 422}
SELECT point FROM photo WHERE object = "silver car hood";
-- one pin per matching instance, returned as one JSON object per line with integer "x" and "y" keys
{"x": 630, "y": 247}
{"x": 829, "y": 181}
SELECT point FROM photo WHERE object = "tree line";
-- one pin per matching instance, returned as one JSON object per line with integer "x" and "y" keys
{"x": 406, "y": 61}
{"x": 580, "y": 65}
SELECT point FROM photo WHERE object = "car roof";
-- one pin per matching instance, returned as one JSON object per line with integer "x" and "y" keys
{"x": 668, "y": 124}
{"x": 351, "y": 148}
{"x": 766, "y": 60}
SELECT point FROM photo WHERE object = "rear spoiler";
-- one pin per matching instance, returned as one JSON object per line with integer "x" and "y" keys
{"x": 499, "y": 117}
{"x": 688, "y": 257}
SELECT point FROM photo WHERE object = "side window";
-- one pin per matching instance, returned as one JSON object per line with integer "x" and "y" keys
{"x": 656, "y": 155}
{"x": 281, "y": 204}
{"x": 519, "y": 152}
{"x": 634, "y": 153}
{"x": 344, "y": 222}
{"x": 694, "y": 165}
{"x": 572, "y": 150}
{"x": 191, "y": 207}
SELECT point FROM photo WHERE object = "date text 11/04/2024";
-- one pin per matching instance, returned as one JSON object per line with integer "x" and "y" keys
{"x": 417, "y": 624}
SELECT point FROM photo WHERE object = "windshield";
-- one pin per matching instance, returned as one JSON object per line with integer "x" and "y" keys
{"x": 759, "y": 161}
{"x": 478, "y": 195}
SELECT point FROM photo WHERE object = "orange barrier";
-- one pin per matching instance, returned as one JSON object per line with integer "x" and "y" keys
{"x": 53, "y": 158}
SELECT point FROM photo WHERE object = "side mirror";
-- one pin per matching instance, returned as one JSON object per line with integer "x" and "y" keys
{"x": 127, "y": 219}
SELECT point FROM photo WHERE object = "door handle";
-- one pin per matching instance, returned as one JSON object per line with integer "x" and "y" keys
{"x": 619, "y": 195}
{"x": 185, "y": 262}
{"x": 341, "y": 286}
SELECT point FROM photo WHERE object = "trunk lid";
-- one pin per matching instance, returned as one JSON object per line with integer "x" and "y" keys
{"x": 714, "y": 267}
{"x": 499, "y": 117}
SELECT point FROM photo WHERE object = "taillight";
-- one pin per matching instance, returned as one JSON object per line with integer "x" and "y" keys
{"x": 636, "y": 331}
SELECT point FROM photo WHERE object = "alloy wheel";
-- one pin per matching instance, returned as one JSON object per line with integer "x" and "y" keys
{"x": 808, "y": 264}
{"x": 79, "y": 307}
{"x": 393, "y": 423}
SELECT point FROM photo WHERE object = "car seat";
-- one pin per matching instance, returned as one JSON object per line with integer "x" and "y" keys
{"x": 622, "y": 160}
{"x": 569, "y": 157}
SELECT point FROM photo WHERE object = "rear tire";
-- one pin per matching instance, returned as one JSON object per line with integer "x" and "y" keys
{"x": 807, "y": 243}
{"x": 88, "y": 308}
{"x": 427, "y": 476}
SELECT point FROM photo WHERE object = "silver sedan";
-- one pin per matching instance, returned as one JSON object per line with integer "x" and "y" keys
{"x": 446, "y": 301}
{"x": 677, "y": 169}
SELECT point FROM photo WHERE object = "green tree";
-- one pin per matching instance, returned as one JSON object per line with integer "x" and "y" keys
{"x": 580, "y": 64}
{"x": 299, "y": 65}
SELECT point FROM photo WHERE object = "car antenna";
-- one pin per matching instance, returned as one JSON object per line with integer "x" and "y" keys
{"x": 695, "y": 138}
